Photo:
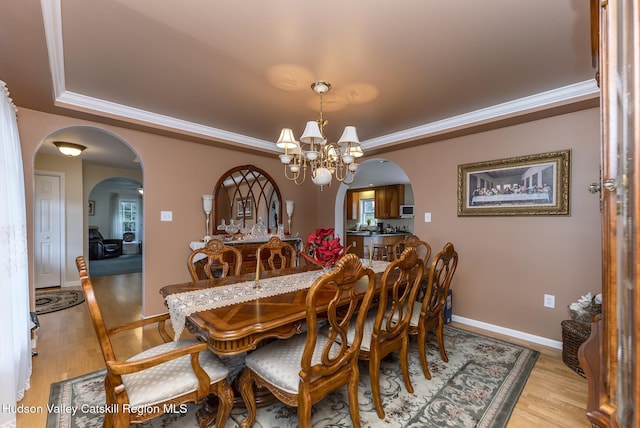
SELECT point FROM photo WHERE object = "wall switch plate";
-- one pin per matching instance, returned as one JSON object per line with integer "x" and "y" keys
{"x": 427, "y": 217}
{"x": 166, "y": 215}
{"x": 549, "y": 301}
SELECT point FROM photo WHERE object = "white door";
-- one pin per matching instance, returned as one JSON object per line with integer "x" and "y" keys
{"x": 48, "y": 233}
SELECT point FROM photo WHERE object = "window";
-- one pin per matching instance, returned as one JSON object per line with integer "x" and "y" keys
{"x": 367, "y": 211}
{"x": 129, "y": 216}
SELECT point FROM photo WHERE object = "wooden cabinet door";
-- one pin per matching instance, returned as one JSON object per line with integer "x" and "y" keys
{"x": 395, "y": 196}
{"x": 610, "y": 356}
{"x": 352, "y": 202}
{"x": 381, "y": 207}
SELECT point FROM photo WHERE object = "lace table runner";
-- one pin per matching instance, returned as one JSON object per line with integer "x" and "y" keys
{"x": 181, "y": 305}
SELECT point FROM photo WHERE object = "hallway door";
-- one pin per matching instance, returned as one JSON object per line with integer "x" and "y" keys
{"x": 48, "y": 231}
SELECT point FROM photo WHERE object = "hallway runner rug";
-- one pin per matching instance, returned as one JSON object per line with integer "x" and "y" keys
{"x": 478, "y": 387}
{"x": 57, "y": 300}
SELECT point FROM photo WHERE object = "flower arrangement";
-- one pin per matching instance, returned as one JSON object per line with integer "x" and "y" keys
{"x": 325, "y": 249}
{"x": 585, "y": 307}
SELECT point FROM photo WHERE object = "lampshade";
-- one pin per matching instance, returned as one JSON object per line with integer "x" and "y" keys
{"x": 349, "y": 136}
{"x": 312, "y": 134}
{"x": 69, "y": 149}
{"x": 289, "y": 208}
{"x": 207, "y": 203}
{"x": 286, "y": 139}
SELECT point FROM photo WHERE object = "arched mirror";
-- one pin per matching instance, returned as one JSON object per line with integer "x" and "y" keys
{"x": 243, "y": 196}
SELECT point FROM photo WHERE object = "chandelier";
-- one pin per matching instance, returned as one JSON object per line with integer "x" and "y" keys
{"x": 314, "y": 153}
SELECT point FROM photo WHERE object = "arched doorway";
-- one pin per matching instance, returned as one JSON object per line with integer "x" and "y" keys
{"x": 371, "y": 174}
{"x": 105, "y": 156}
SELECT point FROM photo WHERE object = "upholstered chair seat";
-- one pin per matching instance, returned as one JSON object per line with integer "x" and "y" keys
{"x": 279, "y": 363}
{"x": 172, "y": 379}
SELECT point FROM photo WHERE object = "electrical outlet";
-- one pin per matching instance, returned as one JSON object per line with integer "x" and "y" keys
{"x": 166, "y": 215}
{"x": 549, "y": 301}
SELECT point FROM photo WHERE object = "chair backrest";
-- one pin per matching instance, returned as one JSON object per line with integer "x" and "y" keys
{"x": 94, "y": 233}
{"x": 434, "y": 295}
{"x": 94, "y": 311}
{"x": 341, "y": 285}
{"x": 398, "y": 289}
{"x": 222, "y": 259}
{"x": 423, "y": 248}
{"x": 281, "y": 254}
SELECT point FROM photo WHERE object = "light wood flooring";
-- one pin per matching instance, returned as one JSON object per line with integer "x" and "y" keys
{"x": 554, "y": 396}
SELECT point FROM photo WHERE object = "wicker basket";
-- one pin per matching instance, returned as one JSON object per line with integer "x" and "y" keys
{"x": 574, "y": 334}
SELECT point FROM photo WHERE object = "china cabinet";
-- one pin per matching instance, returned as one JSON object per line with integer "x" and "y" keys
{"x": 610, "y": 356}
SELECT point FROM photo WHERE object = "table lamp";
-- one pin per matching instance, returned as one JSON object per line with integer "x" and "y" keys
{"x": 207, "y": 205}
{"x": 289, "y": 213}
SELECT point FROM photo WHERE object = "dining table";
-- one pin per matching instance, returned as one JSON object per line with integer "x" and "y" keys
{"x": 235, "y": 314}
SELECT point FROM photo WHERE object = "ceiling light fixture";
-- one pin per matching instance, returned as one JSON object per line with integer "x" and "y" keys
{"x": 324, "y": 159}
{"x": 69, "y": 149}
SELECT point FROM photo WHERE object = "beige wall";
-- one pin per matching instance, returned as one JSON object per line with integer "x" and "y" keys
{"x": 506, "y": 264}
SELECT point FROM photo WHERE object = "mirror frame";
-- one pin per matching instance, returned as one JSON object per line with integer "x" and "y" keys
{"x": 260, "y": 195}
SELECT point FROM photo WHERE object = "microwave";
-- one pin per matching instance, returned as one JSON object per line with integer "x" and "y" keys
{"x": 406, "y": 211}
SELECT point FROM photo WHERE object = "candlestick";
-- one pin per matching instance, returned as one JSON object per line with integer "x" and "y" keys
{"x": 258, "y": 266}
{"x": 289, "y": 205}
{"x": 256, "y": 284}
{"x": 207, "y": 205}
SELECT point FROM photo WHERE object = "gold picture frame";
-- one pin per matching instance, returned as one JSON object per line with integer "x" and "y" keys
{"x": 527, "y": 185}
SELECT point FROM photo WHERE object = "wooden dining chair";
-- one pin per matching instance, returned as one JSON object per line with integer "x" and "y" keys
{"x": 422, "y": 247}
{"x": 172, "y": 373}
{"x": 428, "y": 309}
{"x": 281, "y": 254}
{"x": 215, "y": 259}
{"x": 302, "y": 370}
{"x": 386, "y": 327}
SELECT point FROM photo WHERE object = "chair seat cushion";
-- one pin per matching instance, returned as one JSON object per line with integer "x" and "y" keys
{"x": 279, "y": 362}
{"x": 415, "y": 314}
{"x": 367, "y": 334}
{"x": 171, "y": 379}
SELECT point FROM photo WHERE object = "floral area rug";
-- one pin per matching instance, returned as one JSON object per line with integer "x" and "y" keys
{"x": 478, "y": 387}
{"x": 52, "y": 301}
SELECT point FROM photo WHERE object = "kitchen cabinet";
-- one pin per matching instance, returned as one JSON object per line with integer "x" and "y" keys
{"x": 352, "y": 202}
{"x": 388, "y": 200}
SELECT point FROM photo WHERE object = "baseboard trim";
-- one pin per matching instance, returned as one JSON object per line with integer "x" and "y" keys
{"x": 508, "y": 332}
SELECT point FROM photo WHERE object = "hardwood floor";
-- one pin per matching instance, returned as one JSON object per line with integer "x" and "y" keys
{"x": 554, "y": 396}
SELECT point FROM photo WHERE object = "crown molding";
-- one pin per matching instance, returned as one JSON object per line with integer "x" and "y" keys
{"x": 126, "y": 113}
{"x": 545, "y": 100}
{"x": 51, "y": 13}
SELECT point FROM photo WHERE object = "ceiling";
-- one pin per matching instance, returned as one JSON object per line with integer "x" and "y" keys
{"x": 224, "y": 73}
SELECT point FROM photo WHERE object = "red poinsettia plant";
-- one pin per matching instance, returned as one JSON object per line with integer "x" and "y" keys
{"x": 324, "y": 248}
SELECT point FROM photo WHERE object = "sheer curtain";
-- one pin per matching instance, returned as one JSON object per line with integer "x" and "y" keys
{"x": 15, "y": 341}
